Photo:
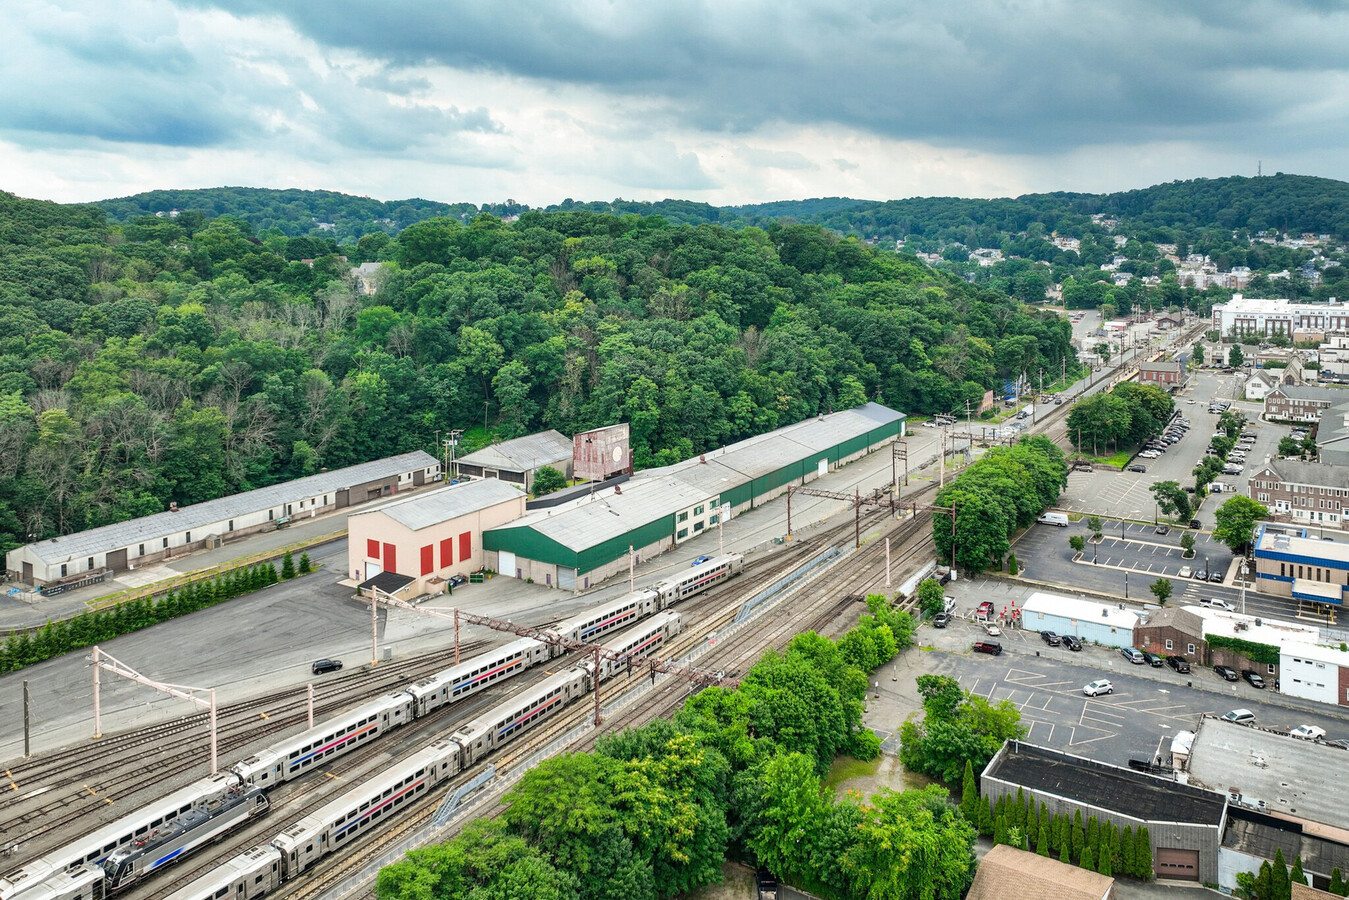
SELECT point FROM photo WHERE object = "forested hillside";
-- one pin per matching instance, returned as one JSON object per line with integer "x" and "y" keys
{"x": 164, "y": 359}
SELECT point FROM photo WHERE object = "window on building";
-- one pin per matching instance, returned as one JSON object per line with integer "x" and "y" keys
{"x": 372, "y": 549}
{"x": 465, "y": 546}
{"x": 1191, "y": 648}
{"x": 325, "y": 499}
{"x": 697, "y": 510}
{"x": 428, "y": 559}
{"x": 1269, "y": 668}
{"x": 682, "y": 533}
{"x": 166, "y": 543}
{"x": 447, "y": 552}
{"x": 141, "y": 552}
{"x": 187, "y": 537}
{"x": 63, "y": 570}
{"x": 287, "y": 509}
{"x": 271, "y": 514}
{"x": 712, "y": 520}
{"x": 1168, "y": 643}
{"x": 231, "y": 527}
{"x": 697, "y": 527}
{"x": 90, "y": 563}
{"x": 683, "y": 517}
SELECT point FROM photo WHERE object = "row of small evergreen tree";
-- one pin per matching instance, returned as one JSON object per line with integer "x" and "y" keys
{"x": 86, "y": 629}
{"x": 1274, "y": 881}
{"x": 1098, "y": 846}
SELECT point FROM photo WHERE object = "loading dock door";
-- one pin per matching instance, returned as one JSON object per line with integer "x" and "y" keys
{"x": 117, "y": 560}
{"x": 372, "y": 569}
{"x": 506, "y": 564}
{"x": 1182, "y": 864}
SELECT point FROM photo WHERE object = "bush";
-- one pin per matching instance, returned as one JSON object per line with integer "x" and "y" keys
{"x": 288, "y": 566}
{"x": 305, "y": 565}
{"x": 1011, "y": 563}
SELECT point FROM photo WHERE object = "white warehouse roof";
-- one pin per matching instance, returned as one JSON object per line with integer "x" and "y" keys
{"x": 212, "y": 512}
{"x": 1082, "y": 610}
{"x": 522, "y": 454}
{"x": 443, "y": 504}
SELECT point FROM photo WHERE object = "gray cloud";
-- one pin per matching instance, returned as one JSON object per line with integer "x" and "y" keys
{"x": 1014, "y": 76}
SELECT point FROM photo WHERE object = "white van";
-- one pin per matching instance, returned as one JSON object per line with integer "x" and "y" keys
{"x": 1053, "y": 518}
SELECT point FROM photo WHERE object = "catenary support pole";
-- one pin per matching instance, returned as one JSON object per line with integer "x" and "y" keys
{"x": 98, "y": 733}
{"x": 309, "y": 703}
{"x": 27, "y": 741}
{"x": 887, "y": 563}
{"x": 214, "y": 742}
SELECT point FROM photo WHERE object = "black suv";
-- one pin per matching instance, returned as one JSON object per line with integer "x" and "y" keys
{"x": 1179, "y": 663}
{"x": 1071, "y": 642}
{"x": 1050, "y": 638}
{"x": 323, "y": 666}
{"x": 1227, "y": 673}
{"x": 1253, "y": 678}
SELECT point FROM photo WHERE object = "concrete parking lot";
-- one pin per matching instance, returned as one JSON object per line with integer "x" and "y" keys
{"x": 1148, "y": 705}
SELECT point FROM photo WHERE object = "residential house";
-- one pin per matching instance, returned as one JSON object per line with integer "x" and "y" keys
{"x": 1172, "y": 631}
{"x": 1303, "y": 492}
{"x": 1260, "y": 383}
{"x": 1300, "y": 403}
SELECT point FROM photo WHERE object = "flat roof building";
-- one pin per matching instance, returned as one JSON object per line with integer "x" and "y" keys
{"x": 1256, "y": 315}
{"x": 579, "y": 543}
{"x": 1290, "y": 562}
{"x": 1108, "y": 624}
{"x": 138, "y": 542}
{"x": 1184, "y": 822}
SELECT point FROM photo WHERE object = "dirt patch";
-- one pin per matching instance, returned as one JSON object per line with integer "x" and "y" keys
{"x": 888, "y": 773}
{"x": 737, "y": 883}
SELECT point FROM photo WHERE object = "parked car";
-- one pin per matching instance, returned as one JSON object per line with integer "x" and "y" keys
{"x": 991, "y": 647}
{"x": 1153, "y": 659}
{"x": 993, "y": 630}
{"x": 1185, "y": 572}
{"x": 1050, "y": 638}
{"x": 1216, "y": 603}
{"x": 1179, "y": 663}
{"x": 1196, "y": 524}
{"x": 1132, "y": 654}
{"x": 1226, "y": 672}
{"x": 1098, "y": 687}
{"x": 1072, "y": 642}
{"x": 1253, "y": 678}
{"x": 1161, "y": 529}
{"x": 1136, "y": 468}
{"x": 765, "y": 885}
{"x": 941, "y": 620}
{"x": 1201, "y": 574}
{"x": 323, "y": 666}
{"x": 1240, "y": 716}
{"x": 984, "y": 610}
{"x": 1216, "y": 575}
{"x": 699, "y": 560}
{"x": 1308, "y": 732}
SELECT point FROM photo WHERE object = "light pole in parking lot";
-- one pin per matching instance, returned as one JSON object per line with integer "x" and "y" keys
{"x": 1126, "y": 585}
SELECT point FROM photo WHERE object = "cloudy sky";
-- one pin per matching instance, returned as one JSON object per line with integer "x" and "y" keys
{"x": 727, "y": 101}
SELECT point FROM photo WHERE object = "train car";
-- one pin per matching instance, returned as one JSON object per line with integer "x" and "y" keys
{"x": 79, "y": 883}
{"x": 699, "y": 578}
{"x": 639, "y": 643}
{"x": 601, "y": 620}
{"x": 435, "y": 691}
{"x": 296, "y": 755}
{"x": 92, "y": 849}
{"x": 507, "y": 721}
{"x": 341, "y": 821}
{"x": 253, "y": 873}
{"x": 174, "y": 840}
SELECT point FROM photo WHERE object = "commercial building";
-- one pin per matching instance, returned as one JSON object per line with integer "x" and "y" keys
{"x": 429, "y": 536}
{"x": 1184, "y": 822}
{"x": 517, "y": 460}
{"x": 1310, "y": 493}
{"x": 1279, "y": 797}
{"x": 1315, "y": 672}
{"x": 1108, "y": 624}
{"x": 1334, "y": 358}
{"x": 1172, "y": 631}
{"x": 1170, "y": 375}
{"x": 1332, "y": 435}
{"x": 583, "y": 541}
{"x": 1290, "y": 562}
{"x": 1268, "y": 317}
{"x": 1301, "y": 402}
{"x": 149, "y": 539}
{"x": 1261, "y": 382}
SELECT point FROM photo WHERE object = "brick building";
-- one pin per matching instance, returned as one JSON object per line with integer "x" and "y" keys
{"x": 1172, "y": 631}
{"x": 1300, "y": 403}
{"x": 1312, "y": 493}
{"x": 1169, "y": 375}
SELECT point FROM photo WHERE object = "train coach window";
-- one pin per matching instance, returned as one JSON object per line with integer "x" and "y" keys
{"x": 222, "y": 892}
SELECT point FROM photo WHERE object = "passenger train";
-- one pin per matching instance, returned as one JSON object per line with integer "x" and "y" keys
{"x": 295, "y": 756}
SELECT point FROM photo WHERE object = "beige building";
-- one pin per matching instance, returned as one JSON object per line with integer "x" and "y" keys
{"x": 1008, "y": 872}
{"x": 426, "y": 538}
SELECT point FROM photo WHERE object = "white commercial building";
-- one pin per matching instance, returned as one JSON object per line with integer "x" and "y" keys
{"x": 1314, "y": 672}
{"x": 1107, "y": 624}
{"x": 1254, "y": 315}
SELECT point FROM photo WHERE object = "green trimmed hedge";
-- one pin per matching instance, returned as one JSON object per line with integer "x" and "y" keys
{"x": 1261, "y": 653}
{"x": 55, "y": 638}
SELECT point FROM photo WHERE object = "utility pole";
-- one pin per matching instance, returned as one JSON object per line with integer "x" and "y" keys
{"x": 942, "y": 460}
{"x": 887, "y": 578}
{"x": 631, "y": 574}
{"x": 28, "y": 747}
{"x": 950, "y": 511}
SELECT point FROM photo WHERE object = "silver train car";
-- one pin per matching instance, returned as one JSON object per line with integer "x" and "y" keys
{"x": 296, "y": 755}
{"x": 639, "y": 643}
{"x": 597, "y": 622}
{"x": 253, "y": 873}
{"x": 435, "y": 691}
{"x": 699, "y": 578}
{"x": 91, "y": 850}
{"x": 173, "y": 840}
{"x": 79, "y": 883}
{"x": 517, "y": 715}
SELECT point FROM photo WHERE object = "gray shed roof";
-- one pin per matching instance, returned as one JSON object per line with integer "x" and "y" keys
{"x": 523, "y": 454}
{"x": 212, "y": 512}
{"x": 433, "y": 507}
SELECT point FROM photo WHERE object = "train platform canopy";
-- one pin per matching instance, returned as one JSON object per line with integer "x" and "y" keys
{"x": 150, "y": 538}
{"x": 659, "y": 507}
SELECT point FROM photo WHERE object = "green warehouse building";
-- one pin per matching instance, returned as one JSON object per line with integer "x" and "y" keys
{"x": 580, "y": 543}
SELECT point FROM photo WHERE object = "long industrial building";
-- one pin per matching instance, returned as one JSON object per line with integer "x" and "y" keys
{"x": 579, "y": 543}
{"x": 138, "y": 542}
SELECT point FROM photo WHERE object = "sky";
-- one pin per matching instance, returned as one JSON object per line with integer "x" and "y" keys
{"x": 725, "y": 101}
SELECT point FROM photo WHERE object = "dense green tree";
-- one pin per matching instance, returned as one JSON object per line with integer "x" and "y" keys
{"x": 1161, "y": 589}
{"x": 931, "y": 597}
{"x": 1234, "y": 521}
{"x": 957, "y": 729}
{"x": 547, "y": 480}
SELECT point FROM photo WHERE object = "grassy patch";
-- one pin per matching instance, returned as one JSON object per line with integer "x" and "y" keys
{"x": 1119, "y": 460}
{"x": 1076, "y": 517}
{"x": 845, "y": 767}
